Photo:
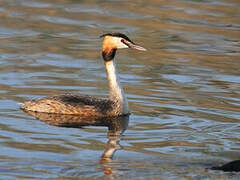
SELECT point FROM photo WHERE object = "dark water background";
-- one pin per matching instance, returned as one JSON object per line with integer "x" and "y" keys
{"x": 184, "y": 92}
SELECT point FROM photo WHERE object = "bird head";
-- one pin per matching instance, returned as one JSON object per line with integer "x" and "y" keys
{"x": 114, "y": 41}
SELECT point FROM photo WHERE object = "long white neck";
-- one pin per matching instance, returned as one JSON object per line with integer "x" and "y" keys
{"x": 116, "y": 93}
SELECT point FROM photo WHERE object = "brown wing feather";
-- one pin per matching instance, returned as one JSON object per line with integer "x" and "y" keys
{"x": 70, "y": 104}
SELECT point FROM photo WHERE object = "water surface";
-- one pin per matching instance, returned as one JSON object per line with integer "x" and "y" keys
{"x": 184, "y": 92}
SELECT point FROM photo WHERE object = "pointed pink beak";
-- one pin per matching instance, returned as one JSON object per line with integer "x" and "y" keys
{"x": 134, "y": 46}
{"x": 137, "y": 47}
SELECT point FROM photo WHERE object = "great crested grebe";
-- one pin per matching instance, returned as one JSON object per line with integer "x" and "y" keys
{"x": 116, "y": 105}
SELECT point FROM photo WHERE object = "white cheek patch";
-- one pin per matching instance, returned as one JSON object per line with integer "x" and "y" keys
{"x": 118, "y": 43}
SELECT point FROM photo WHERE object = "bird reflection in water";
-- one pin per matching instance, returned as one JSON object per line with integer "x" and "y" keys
{"x": 116, "y": 127}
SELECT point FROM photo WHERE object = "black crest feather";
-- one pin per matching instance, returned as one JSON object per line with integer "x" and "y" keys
{"x": 116, "y": 34}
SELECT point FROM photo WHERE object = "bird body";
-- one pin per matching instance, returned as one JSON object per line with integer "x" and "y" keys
{"x": 74, "y": 104}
